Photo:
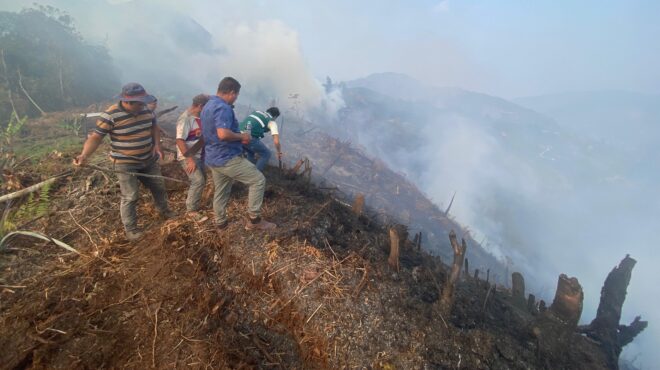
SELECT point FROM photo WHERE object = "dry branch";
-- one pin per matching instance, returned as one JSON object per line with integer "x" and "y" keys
{"x": 106, "y": 170}
{"x": 20, "y": 83}
{"x": 30, "y": 189}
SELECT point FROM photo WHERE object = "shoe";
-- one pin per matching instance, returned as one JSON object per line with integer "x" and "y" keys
{"x": 167, "y": 214}
{"x": 259, "y": 225}
{"x": 133, "y": 235}
{"x": 196, "y": 216}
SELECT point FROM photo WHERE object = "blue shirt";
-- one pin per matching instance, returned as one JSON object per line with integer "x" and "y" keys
{"x": 218, "y": 114}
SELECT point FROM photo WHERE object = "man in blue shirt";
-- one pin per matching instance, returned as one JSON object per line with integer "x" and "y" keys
{"x": 223, "y": 145}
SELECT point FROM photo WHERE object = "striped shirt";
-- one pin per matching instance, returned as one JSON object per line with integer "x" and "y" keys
{"x": 130, "y": 134}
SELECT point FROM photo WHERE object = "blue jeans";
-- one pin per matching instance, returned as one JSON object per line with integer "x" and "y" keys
{"x": 197, "y": 181}
{"x": 128, "y": 185}
{"x": 257, "y": 147}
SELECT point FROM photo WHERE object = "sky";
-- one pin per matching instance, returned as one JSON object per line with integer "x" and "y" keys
{"x": 503, "y": 48}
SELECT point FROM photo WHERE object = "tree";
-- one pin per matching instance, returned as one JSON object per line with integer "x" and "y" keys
{"x": 47, "y": 65}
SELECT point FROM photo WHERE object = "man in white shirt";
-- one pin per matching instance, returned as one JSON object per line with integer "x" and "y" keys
{"x": 188, "y": 133}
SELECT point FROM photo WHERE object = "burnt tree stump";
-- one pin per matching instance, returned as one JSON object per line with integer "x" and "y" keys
{"x": 358, "y": 204}
{"x": 555, "y": 327}
{"x": 605, "y": 328}
{"x": 518, "y": 290}
{"x": 447, "y": 297}
{"x": 569, "y": 297}
{"x": 531, "y": 304}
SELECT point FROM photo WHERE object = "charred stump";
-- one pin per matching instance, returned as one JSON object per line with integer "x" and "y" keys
{"x": 518, "y": 290}
{"x": 554, "y": 328}
{"x": 358, "y": 204}
{"x": 567, "y": 304}
{"x": 466, "y": 270}
{"x": 395, "y": 245}
{"x": 605, "y": 328}
{"x": 531, "y": 304}
{"x": 447, "y": 297}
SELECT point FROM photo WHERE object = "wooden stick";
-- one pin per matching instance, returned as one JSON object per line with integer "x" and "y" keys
{"x": 166, "y": 111}
{"x": 107, "y": 170}
{"x": 30, "y": 189}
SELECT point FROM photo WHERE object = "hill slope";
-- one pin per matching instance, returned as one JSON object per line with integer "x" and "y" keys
{"x": 316, "y": 293}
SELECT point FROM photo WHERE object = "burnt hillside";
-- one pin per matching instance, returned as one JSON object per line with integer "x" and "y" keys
{"x": 316, "y": 293}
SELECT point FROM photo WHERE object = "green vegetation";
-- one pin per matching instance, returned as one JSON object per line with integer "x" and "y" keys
{"x": 11, "y": 130}
{"x": 47, "y": 66}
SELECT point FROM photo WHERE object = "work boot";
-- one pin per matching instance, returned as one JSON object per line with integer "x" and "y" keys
{"x": 196, "y": 216}
{"x": 135, "y": 234}
{"x": 167, "y": 214}
{"x": 259, "y": 224}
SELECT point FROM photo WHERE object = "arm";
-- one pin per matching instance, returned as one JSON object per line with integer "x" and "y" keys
{"x": 226, "y": 134}
{"x": 276, "y": 141}
{"x": 195, "y": 148}
{"x": 224, "y": 120}
{"x": 155, "y": 136}
{"x": 190, "y": 160}
{"x": 90, "y": 146}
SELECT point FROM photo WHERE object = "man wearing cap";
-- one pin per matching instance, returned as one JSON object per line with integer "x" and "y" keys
{"x": 223, "y": 146}
{"x": 189, "y": 133}
{"x": 135, "y": 143}
{"x": 261, "y": 123}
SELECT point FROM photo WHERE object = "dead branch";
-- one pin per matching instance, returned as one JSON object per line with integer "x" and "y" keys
{"x": 628, "y": 332}
{"x": 166, "y": 111}
{"x": 20, "y": 83}
{"x": 107, "y": 170}
{"x": 30, "y": 189}
{"x": 450, "y": 203}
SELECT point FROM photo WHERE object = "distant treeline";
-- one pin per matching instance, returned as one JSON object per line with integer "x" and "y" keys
{"x": 45, "y": 64}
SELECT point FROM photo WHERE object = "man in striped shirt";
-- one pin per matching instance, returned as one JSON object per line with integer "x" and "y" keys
{"x": 135, "y": 143}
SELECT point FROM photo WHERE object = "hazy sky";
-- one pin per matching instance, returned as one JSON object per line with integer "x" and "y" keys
{"x": 504, "y": 48}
